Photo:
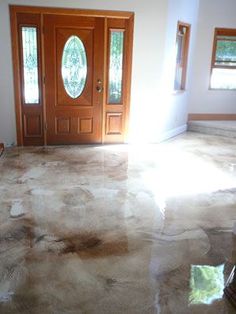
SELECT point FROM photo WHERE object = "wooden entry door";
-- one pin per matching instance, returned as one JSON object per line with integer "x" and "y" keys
{"x": 72, "y": 74}
{"x": 74, "y": 66}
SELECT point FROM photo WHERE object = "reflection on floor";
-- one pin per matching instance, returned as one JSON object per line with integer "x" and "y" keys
{"x": 118, "y": 229}
{"x": 230, "y": 289}
{"x": 207, "y": 284}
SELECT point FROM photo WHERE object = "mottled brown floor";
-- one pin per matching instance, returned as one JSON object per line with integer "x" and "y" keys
{"x": 118, "y": 229}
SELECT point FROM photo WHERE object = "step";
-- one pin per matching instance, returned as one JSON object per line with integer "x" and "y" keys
{"x": 220, "y": 128}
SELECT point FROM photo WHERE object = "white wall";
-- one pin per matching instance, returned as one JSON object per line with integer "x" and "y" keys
{"x": 171, "y": 109}
{"x": 155, "y": 112}
{"x": 212, "y": 13}
{"x": 7, "y": 111}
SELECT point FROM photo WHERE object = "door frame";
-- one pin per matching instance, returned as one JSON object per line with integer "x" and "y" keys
{"x": 106, "y": 108}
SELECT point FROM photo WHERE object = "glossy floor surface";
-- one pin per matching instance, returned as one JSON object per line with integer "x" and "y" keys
{"x": 118, "y": 229}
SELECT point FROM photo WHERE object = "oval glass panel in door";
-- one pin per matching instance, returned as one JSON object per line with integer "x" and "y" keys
{"x": 74, "y": 67}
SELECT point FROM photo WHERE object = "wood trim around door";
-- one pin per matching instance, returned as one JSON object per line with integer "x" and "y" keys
{"x": 1, "y": 148}
{"x": 15, "y": 10}
{"x": 16, "y": 75}
{"x": 68, "y": 11}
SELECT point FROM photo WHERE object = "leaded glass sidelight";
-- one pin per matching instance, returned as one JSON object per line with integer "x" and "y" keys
{"x": 116, "y": 67}
{"x": 74, "y": 67}
{"x": 30, "y": 65}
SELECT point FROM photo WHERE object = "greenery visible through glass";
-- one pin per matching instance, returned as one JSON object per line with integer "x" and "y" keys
{"x": 30, "y": 65}
{"x": 74, "y": 67}
{"x": 207, "y": 284}
{"x": 225, "y": 51}
{"x": 116, "y": 67}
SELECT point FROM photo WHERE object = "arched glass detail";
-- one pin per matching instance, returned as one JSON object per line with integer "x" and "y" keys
{"x": 74, "y": 67}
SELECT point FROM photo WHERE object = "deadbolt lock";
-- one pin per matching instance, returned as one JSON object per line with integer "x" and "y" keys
{"x": 99, "y": 87}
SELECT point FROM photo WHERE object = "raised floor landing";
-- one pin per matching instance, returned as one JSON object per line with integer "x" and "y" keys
{"x": 221, "y": 128}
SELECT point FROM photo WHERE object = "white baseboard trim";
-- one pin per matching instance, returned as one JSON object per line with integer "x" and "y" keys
{"x": 7, "y": 144}
{"x": 161, "y": 137}
{"x": 172, "y": 133}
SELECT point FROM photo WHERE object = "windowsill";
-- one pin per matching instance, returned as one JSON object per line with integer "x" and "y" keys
{"x": 222, "y": 89}
{"x": 178, "y": 92}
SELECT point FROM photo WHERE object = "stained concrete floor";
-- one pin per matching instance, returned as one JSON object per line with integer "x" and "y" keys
{"x": 118, "y": 229}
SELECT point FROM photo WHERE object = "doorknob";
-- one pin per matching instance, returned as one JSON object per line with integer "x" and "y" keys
{"x": 99, "y": 87}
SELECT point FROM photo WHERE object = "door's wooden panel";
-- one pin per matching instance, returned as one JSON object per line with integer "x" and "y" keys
{"x": 32, "y": 125}
{"x": 85, "y": 111}
{"x": 63, "y": 125}
{"x": 114, "y": 123}
{"x": 86, "y": 125}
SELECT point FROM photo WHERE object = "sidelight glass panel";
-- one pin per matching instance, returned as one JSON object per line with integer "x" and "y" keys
{"x": 30, "y": 65}
{"x": 74, "y": 67}
{"x": 116, "y": 67}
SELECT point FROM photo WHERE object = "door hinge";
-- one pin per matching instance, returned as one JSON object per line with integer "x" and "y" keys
{"x": 44, "y": 80}
{"x": 45, "y": 126}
